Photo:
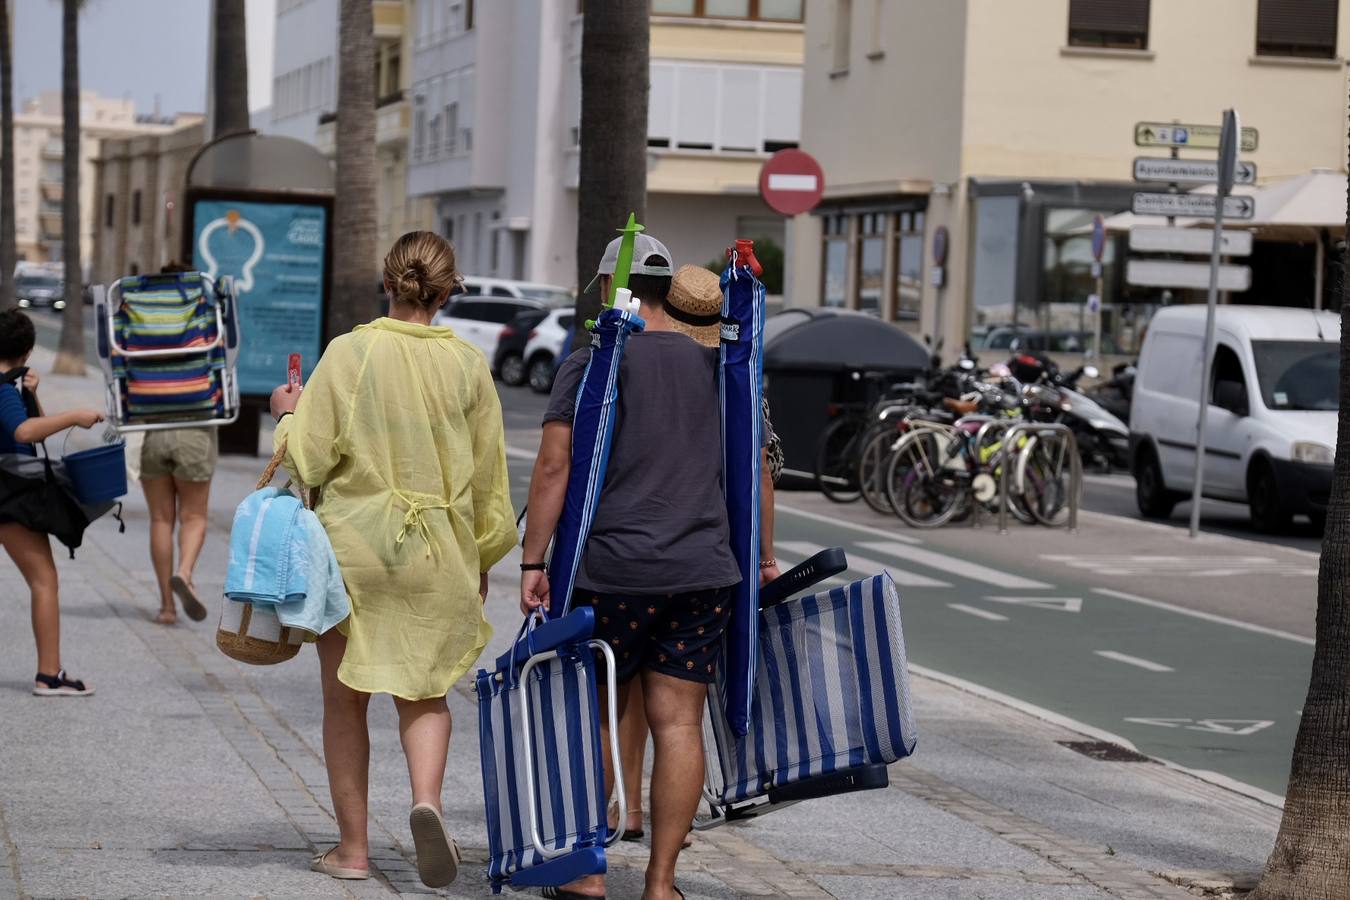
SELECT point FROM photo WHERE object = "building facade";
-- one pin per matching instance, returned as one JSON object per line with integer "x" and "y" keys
{"x": 496, "y": 108}
{"x": 1010, "y": 125}
{"x": 39, "y": 180}
{"x": 139, "y": 182}
{"x": 305, "y": 64}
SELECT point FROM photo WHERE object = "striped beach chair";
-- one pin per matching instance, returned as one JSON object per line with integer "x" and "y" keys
{"x": 539, "y": 742}
{"x": 831, "y": 708}
{"x": 167, "y": 345}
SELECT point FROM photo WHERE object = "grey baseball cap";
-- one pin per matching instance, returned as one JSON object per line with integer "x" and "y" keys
{"x": 644, "y": 248}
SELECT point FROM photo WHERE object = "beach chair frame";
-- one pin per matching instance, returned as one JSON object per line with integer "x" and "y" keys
{"x": 107, "y": 302}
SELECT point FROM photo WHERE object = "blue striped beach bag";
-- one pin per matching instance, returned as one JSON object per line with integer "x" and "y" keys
{"x": 539, "y": 740}
{"x": 161, "y": 314}
{"x": 831, "y": 706}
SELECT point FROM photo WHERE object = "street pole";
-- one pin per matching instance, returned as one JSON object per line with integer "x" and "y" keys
{"x": 1097, "y": 315}
{"x": 1227, "y": 160}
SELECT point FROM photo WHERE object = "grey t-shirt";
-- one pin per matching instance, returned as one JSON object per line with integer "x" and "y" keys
{"x": 661, "y": 525}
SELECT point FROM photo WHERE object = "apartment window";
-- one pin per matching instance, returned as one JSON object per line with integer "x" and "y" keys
{"x": 843, "y": 26}
{"x": 419, "y": 126}
{"x": 1119, "y": 24}
{"x": 871, "y": 262}
{"x": 1303, "y": 28}
{"x": 451, "y": 126}
{"x": 135, "y": 207}
{"x": 108, "y": 202}
{"x": 756, "y": 10}
{"x": 834, "y": 261}
{"x": 759, "y": 110}
{"x": 908, "y": 265}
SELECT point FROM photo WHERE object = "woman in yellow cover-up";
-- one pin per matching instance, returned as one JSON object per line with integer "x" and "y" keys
{"x": 401, "y": 428}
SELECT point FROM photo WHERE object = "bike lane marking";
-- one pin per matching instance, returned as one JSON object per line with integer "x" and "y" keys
{"x": 1207, "y": 616}
{"x": 953, "y": 566}
{"x": 866, "y": 567}
{"x": 976, "y": 611}
{"x": 1140, "y": 662}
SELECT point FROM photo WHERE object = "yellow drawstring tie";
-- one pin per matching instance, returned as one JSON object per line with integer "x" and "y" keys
{"x": 413, "y": 520}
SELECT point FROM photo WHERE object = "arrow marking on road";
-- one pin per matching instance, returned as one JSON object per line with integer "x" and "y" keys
{"x": 976, "y": 611}
{"x": 1063, "y": 604}
{"x": 1148, "y": 664}
{"x": 951, "y": 565}
{"x": 1238, "y": 727}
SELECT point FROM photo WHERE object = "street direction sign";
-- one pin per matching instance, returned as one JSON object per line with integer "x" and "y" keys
{"x": 1200, "y": 206}
{"x": 1098, "y": 237}
{"x": 1199, "y": 137}
{"x": 1169, "y": 273}
{"x": 1189, "y": 171}
{"x": 1145, "y": 239}
{"x": 791, "y": 182}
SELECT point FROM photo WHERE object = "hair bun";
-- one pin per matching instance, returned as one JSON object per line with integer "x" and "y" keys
{"x": 412, "y": 282}
{"x": 420, "y": 269}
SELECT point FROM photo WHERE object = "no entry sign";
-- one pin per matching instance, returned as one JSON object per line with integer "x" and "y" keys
{"x": 791, "y": 182}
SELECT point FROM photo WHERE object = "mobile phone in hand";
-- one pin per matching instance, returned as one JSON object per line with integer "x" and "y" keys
{"x": 293, "y": 371}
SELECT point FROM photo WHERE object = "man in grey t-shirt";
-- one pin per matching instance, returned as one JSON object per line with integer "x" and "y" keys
{"x": 657, "y": 568}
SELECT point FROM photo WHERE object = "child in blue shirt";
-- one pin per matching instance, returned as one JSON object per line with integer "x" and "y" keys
{"x": 22, "y": 424}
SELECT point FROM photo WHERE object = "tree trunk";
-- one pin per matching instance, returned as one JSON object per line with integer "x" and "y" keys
{"x": 353, "y": 297}
{"x": 615, "y": 70}
{"x": 70, "y": 353}
{"x": 229, "y": 70}
{"x": 1309, "y": 861}
{"x": 8, "y": 250}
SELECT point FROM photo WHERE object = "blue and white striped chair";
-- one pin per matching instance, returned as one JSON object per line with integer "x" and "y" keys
{"x": 831, "y": 707}
{"x": 539, "y": 737}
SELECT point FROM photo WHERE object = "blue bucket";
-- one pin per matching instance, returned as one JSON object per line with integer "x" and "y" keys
{"x": 100, "y": 474}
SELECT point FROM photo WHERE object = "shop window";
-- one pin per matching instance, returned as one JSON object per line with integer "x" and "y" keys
{"x": 1301, "y": 28}
{"x": 993, "y": 265}
{"x": 871, "y": 262}
{"x": 834, "y": 268}
{"x": 908, "y": 265}
{"x": 135, "y": 207}
{"x": 843, "y": 25}
{"x": 1119, "y": 24}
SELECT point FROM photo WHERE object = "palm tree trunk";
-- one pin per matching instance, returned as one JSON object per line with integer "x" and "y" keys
{"x": 70, "y": 353}
{"x": 1309, "y": 861}
{"x": 615, "y": 70}
{"x": 229, "y": 70}
{"x": 352, "y": 300}
{"x": 8, "y": 250}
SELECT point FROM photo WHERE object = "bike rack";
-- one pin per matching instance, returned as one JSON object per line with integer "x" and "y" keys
{"x": 1075, "y": 468}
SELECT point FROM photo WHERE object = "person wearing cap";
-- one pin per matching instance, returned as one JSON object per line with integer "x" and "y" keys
{"x": 658, "y": 568}
{"x": 694, "y": 307}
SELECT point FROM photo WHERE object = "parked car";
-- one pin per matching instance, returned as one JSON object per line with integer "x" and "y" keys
{"x": 508, "y": 363}
{"x": 481, "y": 320}
{"x": 478, "y": 286}
{"x": 36, "y": 289}
{"x": 546, "y": 345}
{"x": 1271, "y": 426}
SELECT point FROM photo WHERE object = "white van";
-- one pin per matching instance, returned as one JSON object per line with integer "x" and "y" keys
{"x": 1271, "y": 432}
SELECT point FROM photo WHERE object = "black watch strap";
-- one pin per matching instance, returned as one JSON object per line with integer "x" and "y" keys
{"x": 533, "y": 567}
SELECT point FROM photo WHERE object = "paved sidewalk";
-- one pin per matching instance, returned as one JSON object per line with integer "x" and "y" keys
{"x": 191, "y": 775}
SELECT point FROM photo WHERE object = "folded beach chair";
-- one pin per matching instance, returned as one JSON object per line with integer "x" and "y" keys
{"x": 741, "y": 379}
{"x": 831, "y": 707}
{"x": 168, "y": 345}
{"x": 539, "y": 740}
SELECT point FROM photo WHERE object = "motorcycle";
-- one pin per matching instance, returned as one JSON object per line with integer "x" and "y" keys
{"x": 1103, "y": 439}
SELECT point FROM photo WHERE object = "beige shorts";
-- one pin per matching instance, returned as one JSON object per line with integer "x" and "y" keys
{"x": 188, "y": 454}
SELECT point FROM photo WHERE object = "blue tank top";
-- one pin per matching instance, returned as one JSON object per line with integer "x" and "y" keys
{"x": 12, "y": 415}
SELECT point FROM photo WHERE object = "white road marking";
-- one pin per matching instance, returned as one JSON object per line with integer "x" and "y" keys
{"x": 1134, "y": 661}
{"x": 864, "y": 566}
{"x": 1208, "y": 617}
{"x": 1185, "y": 566}
{"x": 517, "y": 453}
{"x": 1239, "y": 727}
{"x": 841, "y": 523}
{"x": 976, "y": 611}
{"x": 1063, "y": 604}
{"x": 953, "y": 566}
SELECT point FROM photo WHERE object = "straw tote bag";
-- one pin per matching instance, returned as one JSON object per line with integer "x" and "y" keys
{"x": 252, "y": 633}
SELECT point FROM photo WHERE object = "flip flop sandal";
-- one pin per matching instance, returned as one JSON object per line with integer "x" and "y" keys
{"x": 437, "y": 854}
{"x": 630, "y": 834}
{"x": 557, "y": 893}
{"x": 321, "y": 864}
{"x": 59, "y": 685}
{"x": 188, "y": 597}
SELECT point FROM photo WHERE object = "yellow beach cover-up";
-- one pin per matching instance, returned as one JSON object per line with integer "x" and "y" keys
{"x": 401, "y": 427}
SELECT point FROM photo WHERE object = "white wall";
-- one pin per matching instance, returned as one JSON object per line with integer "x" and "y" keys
{"x": 304, "y": 68}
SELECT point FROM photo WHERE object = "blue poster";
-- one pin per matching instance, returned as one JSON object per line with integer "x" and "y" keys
{"x": 275, "y": 252}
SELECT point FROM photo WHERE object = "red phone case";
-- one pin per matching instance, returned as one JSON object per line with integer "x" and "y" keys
{"x": 293, "y": 370}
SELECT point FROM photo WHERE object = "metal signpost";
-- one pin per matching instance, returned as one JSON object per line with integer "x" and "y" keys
{"x": 1228, "y": 148}
{"x": 1095, "y": 301}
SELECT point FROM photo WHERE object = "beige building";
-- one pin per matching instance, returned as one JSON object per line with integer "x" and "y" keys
{"x": 38, "y": 157}
{"x": 496, "y": 115}
{"x": 139, "y": 183}
{"x": 1012, "y": 124}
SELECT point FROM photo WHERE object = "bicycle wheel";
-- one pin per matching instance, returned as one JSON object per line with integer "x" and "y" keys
{"x": 872, "y": 464}
{"x": 923, "y": 492}
{"x": 836, "y": 460}
{"x": 1045, "y": 478}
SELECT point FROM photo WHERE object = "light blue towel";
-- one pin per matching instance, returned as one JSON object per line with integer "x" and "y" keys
{"x": 268, "y": 549}
{"x": 325, "y": 603}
